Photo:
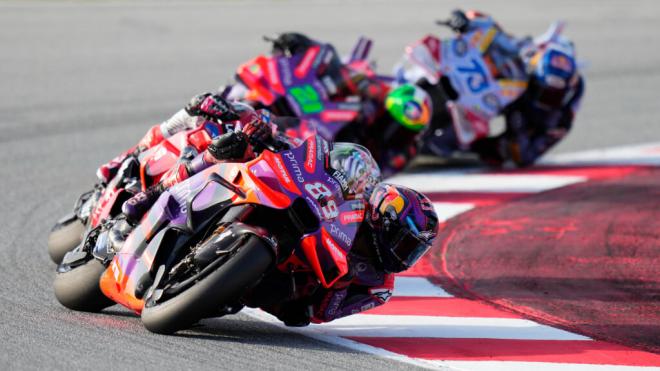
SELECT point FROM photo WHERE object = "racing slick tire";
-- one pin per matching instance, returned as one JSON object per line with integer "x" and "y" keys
{"x": 79, "y": 289}
{"x": 206, "y": 296}
{"x": 64, "y": 238}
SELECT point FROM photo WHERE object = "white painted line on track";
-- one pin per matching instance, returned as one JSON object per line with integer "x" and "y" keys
{"x": 448, "y": 210}
{"x": 644, "y": 154}
{"x": 545, "y": 366}
{"x": 492, "y": 183}
{"x": 373, "y": 325}
{"x": 418, "y": 286}
{"x": 343, "y": 342}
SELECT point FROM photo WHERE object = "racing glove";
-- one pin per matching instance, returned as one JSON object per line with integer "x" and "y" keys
{"x": 256, "y": 127}
{"x": 212, "y": 106}
{"x": 229, "y": 146}
{"x": 290, "y": 43}
{"x": 458, "y": 21}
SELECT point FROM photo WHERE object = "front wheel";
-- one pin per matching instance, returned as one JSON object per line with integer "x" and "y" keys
{"x": 64, "y": 238}
{"x": 206, "y": 296}
{"x": 79, "y": 289}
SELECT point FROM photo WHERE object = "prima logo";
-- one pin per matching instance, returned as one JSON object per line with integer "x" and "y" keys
{"x": 286, "y": 71}
{"x": 296, "y": 167}
{"x": 340, "y": 235}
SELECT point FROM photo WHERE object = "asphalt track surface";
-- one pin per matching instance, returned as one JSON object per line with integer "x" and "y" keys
{"x": 81, "y": 81}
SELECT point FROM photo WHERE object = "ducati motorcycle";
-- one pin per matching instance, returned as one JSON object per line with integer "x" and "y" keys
{"x": 220, "y": 240}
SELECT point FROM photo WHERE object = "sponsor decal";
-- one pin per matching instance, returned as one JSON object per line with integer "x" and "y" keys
{"x": 321, "y": 146}
{"x": 382, "y": 294}
{"x": 286, "y": 71}
{"x": 330, "y": 85}
{"x": 338, "y": 115}
{"x": 330, "y": 244}
{"x": 340, "y": 235}
{"x": 349, "y": 217}
{"x": 335, "y": 184}
{"x": 296, "y": 167}
{"x": 460, "y": 47}
{"x": 310, "y": 159}
{"x": 274, "y": 76}
{"x": 284, "y": 174}
{"x": 561, "y": 62}
{"x": 341, "y": 178}
{"x": 303, "y": 67}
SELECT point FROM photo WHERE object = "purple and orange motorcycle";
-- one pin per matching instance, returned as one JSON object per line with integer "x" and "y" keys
{"x": 213, "y": 243}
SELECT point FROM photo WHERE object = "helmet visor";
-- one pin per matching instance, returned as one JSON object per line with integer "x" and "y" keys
{"x": 406, "y": 246}
{"x": 551, "y": 97}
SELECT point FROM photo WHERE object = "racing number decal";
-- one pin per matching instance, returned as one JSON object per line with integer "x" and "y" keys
{"x": 319, "y": 191}
{"x": 307, "y": 98}
{"x": 476, "y": 76}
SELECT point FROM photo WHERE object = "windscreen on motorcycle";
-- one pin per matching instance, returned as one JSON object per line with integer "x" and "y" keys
{"x": 357, "y": 164}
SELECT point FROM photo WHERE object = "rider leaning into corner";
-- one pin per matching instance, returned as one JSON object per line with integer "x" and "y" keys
{"x": 399, "y": 227}
{"x": 391, "y": 143}
{"x": 540, "y": 117}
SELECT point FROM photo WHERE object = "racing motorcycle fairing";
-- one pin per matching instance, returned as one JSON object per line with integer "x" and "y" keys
{"x": 298, "y": 86}
{"x": 288, "y": 181}
{"x": 462, "y": 62}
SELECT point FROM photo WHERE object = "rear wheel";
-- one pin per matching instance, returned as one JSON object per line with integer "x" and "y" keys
{"x": 209, "y": 294}
{"x": 64, "y": 238}
{"x": 79, "y": 289}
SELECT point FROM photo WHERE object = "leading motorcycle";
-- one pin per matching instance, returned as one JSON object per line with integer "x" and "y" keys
{"x": 220, "y": 239}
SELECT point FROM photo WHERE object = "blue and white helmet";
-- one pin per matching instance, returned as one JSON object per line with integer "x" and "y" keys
{"x": 554, "y": 73}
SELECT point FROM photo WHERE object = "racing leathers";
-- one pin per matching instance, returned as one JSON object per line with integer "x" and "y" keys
{"x": 365, "y": 286}
{"x": 531, "y": 129}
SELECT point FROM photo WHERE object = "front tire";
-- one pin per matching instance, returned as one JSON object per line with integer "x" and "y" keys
{"x": 64, "y": 238}
{"x": 206, "y": 296}
{"x": 79, "y": 289}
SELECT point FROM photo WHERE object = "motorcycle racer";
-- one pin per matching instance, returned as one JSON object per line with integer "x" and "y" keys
{"x": 398, "y": 228}
{"x": 543, "y": 109}
{"x": 544, "y": 113}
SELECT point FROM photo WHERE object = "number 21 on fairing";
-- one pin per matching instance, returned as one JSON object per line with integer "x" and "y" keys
{"x": 318, "y": 190}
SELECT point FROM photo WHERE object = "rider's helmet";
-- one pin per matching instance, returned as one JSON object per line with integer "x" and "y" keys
{"x": 553, "y": 74}
{"x": 404, "y": 223}
{"x": 358, "y": 167}
{"x": 411, "y": 106}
